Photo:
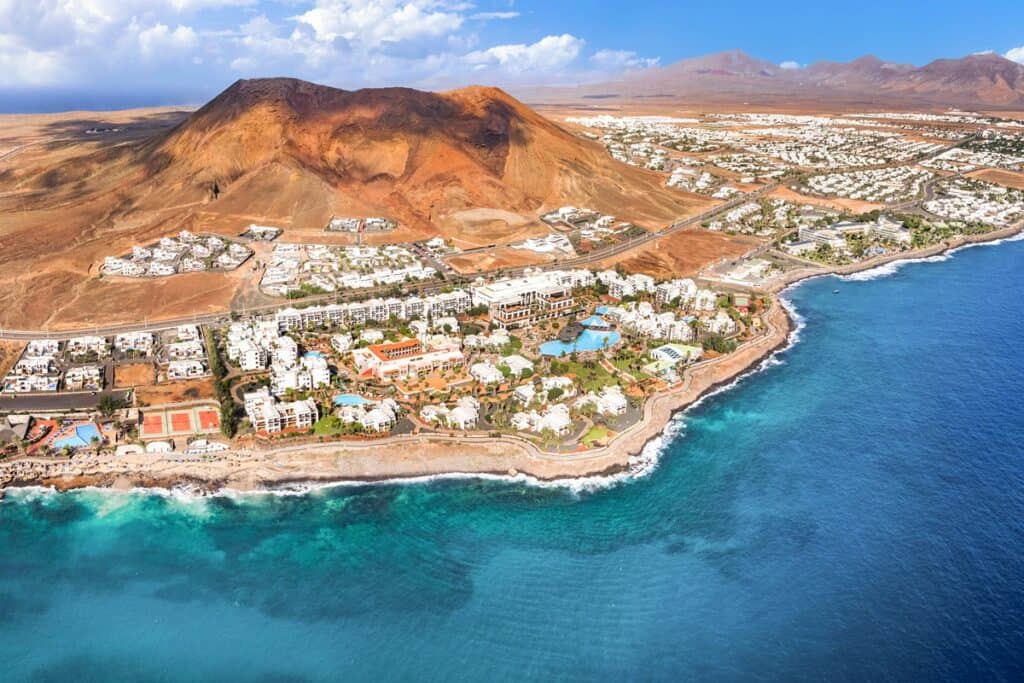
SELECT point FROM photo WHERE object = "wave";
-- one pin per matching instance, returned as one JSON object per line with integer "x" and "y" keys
{"x": 887, "y": 269}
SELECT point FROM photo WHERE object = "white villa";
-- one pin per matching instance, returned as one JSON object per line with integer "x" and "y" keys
{"x": 464, "y": 415}
{"x": 555, "y": 417}
{"x": 610, "y": 401}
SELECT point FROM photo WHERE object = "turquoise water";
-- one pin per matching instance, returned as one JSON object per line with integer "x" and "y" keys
{"x": 349, "y": 400}
{"x": 83, "y": 436}
{"x": 589, "y": 340}
{"x": 594, "y": 321}
{"x": 853, "y": 512}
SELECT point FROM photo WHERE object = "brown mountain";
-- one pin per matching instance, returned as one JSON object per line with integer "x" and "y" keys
{"x": 419, "y": 157}
{"x": 474, "y": 165}
{"x": 733, "y": 77}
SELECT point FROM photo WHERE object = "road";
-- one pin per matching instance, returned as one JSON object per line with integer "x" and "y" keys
{"x": 431, "y": 287}
{"x": 43, "y": 403}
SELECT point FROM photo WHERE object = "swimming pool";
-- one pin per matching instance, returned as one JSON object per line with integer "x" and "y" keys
{"x": 589, "y": 340}
{"x": 349, "y": 400}
{"x": 594, "y": 321}
{"x": 81, "y": 437}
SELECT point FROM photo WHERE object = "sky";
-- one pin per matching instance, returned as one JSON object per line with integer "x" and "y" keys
{"x": 94, "y": 54}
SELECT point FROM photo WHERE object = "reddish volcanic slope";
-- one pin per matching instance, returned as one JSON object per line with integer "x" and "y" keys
{"x": 474, "y": 165}
{"x": 415, "y": 156}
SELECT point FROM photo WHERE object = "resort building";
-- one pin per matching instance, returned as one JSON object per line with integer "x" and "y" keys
{"x": 495, "y": 340}
{"x": 720, "y": 323}
{"x": 403, "y": 359}
{"x": 373, "y": 416}
{"x": 187, "y": 350}
{"x": 564, "y": 383}
{"x": 554, "y": 418}
{"x": 485, "y": 373}
{"x": 267, "y": 415}
{"x": 379, "y": 310}
{"x": 527, "y": 300}
{"x": 465, "y": 414}
{"x": 610, "y": 401}
{"x": 516, "y": 364}
{"x": 669, "y": 356}
{"x": 684, "y": 290}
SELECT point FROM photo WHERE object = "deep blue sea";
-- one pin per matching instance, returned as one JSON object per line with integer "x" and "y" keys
{"x": 854, "y": 511}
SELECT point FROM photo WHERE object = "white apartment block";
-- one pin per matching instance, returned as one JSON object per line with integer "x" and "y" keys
{"x": 267, "y": 415}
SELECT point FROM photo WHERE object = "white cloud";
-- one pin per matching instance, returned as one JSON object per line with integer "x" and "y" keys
{"x": 622, "y": 60}
{"x": 789, "y": 65}
{"x": 487, "y": 16}
{"x": 22, "y": 66}
{"x": 547, "y": 54}
{"x": 1016, "y": 54}
{"x": 158, "y": 40}
{"x": 375, "y": 22}
{"x": 349, "y": 43}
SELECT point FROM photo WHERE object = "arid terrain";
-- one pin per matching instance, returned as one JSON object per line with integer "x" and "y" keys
{"x": 1001, "y": 177}
{"x": 684, "y": 253}
{"x": 734, "y": 78}
{"x": 474, "y": 165}
{"x": 9, "y": 353}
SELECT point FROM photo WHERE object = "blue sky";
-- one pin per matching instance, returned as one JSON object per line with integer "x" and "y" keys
{"x": 157, "y": 51}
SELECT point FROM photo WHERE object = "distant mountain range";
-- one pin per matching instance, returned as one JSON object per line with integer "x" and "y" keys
{"x": 734, "y": 76}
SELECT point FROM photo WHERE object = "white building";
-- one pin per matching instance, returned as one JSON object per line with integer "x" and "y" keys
{"x": 485, "y": 373}
{"x": 375, "y": 416}
{"x": 610, "y": 401}
{"x": 38, "y": 348}
{"x": 140, "y": 342}
{"x": 87, "y": 378}
{"x": 267, "y": 415}
{"x": 185, "y": 369}
{"x": 516, "y": 364}
{"x": 555, "y": 418}
{"x": 465, "y": 414}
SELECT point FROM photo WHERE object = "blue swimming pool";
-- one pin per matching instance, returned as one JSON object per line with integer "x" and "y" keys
{"x": 594, "y": 321}
{"x": 82, "y": 437}
{"x": 589, "y": 340}
{"x": 349, "y": 400}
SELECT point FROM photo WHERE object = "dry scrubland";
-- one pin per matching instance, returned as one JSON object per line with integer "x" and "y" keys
{"x": 684, "y": 253}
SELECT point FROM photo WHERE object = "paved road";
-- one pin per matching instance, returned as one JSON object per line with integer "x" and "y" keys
{"x": 57, "y": 402}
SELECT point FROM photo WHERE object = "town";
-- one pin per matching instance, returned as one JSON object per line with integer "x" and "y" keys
{"x": 561, "y": 358}
{"x": 384, "y": 340}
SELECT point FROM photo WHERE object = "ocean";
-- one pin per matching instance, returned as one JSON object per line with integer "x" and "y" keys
{"x": 854, "y": 510}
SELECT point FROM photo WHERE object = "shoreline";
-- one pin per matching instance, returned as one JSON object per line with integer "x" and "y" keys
{"x": 411, "y": 459}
